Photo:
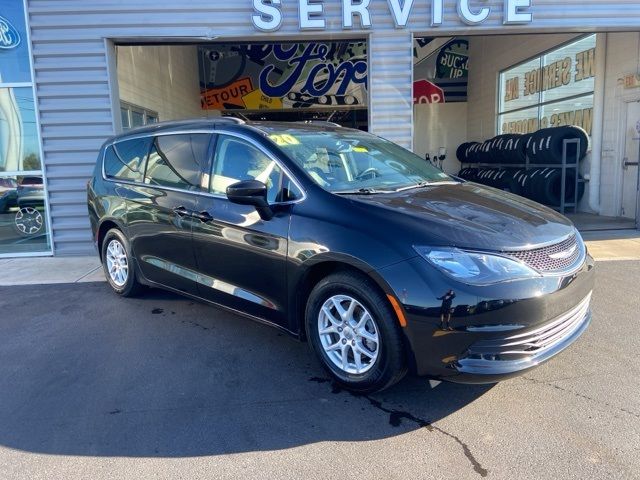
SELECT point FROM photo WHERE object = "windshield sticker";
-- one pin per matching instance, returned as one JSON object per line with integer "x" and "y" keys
{"x": 284, "y": 139}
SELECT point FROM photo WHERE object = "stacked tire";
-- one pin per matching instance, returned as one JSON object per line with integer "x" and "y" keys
{"x": 544, "y": 147}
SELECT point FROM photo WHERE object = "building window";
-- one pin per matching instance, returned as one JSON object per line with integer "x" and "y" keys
{"x": 550, "y": 90}
{"x": 24, "y": 213}
{"x": 134, "y": 116}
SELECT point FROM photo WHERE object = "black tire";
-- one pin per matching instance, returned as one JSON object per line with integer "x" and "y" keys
{"x": 131, "y": 286}
{"x": 389, "y": 366}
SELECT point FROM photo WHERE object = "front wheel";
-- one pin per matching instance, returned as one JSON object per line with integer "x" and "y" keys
{"x": 353, "y": 331}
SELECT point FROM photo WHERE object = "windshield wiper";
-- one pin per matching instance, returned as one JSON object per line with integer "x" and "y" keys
{"x": 425, "y": 183}
{"x": 362, "y": 191}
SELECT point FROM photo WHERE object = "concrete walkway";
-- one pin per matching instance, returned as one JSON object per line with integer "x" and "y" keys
{"x": 604, "y": 246}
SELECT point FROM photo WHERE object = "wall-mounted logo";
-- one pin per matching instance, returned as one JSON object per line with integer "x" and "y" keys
{"x": 9, "y": 36}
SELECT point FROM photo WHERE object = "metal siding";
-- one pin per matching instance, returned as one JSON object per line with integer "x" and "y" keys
{"x": 72, "y": 84}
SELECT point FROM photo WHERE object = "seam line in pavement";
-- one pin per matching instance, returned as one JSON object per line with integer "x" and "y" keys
{"x": 88, "y": 273}
{"x": 581, "y": 395}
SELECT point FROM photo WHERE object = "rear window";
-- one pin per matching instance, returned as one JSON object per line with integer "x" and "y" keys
{"x": 125, "y": 160}
{"x": 177, "y": 160}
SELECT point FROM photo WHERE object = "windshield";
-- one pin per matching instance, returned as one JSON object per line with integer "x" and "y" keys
{"x": 350, "y": 161}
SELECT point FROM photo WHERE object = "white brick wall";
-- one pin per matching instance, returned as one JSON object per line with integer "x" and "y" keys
{"x": 623, "y": 56}
{"x": 161, "y": 78}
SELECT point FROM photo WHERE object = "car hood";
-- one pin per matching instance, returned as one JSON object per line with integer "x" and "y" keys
{"x": 472, "y": 216}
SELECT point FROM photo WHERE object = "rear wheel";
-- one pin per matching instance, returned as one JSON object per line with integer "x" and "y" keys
{"x": 118, "y": 264}
{"x": 353, "y": 331}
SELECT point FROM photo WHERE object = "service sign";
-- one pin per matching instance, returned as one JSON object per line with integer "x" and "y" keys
{"x": 283, "y": 75}
{"x": 9, "y": 36}
{"x": 269, "y": 15}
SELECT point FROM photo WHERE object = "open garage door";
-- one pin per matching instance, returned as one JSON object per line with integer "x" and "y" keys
{"x": 548, "y": 117}
{"x": 291, "y": 81}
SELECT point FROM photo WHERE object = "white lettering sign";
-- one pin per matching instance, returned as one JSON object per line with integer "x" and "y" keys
{"x": 513, "y": 13}
{"x": 469, "y": 17}
{"x": 360, "y": 8}
{"x": 311, "y": 14}
{"x": 400, "y": 13}
{"x": 268, "y": 14}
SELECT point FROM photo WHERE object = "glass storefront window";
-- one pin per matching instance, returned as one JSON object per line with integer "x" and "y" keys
{"x": 514, "y": 93}
{"x": 19, "y": 144}
{"x": 551, "y": 90}
{"x": 577, "y": 111}
{"x": 134, "y": 116}
{"x": 23, "y": 215}
{"x": 520, "y": 121}
{"x": 570, "y": 70}
{"x": 23, "y": 200}
{"x": 14, "y": 48}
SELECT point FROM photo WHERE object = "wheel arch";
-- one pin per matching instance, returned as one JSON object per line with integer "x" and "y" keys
{"x": 106, "y": 225}
{"x": 322, "y": 268}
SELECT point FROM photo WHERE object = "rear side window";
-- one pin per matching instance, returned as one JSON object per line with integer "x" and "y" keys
{"x": 177, "y": 160}
{"x": 125, "y": 160}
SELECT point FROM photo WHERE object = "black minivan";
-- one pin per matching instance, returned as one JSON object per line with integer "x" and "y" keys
{"x": 382, "y": 262}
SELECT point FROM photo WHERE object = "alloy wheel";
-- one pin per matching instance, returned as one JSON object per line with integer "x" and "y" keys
{"x": 348, "y": 334}
{"x": 29, "y": 221}
{"x": 117, "y": 263}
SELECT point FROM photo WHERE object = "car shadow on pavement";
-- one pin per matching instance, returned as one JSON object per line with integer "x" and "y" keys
{"x": 85, "y": 372}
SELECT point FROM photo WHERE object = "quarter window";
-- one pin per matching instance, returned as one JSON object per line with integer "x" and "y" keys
{"x": 125, "y": 160}
{"x": 177, "y": 160}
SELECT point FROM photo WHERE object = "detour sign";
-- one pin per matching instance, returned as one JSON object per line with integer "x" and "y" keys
{"x": 229, "y": 97}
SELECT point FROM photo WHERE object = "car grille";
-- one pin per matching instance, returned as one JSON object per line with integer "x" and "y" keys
{"x": 532, "y": 343}
{"x": 553, "y": 258}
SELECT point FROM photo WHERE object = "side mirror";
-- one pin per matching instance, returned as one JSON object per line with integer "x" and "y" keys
{"x": 251, "y": 192}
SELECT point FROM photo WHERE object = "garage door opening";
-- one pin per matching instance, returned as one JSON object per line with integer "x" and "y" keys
{"x": 284, "y": 81}
{"x": 515, "y": 112}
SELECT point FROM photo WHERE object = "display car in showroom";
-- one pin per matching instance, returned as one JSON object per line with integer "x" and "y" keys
{"x": 382, "y": 262}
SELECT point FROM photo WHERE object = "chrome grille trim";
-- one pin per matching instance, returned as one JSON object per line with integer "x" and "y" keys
{"x": 557, "y": 258}
{"x": 539, "y": 339}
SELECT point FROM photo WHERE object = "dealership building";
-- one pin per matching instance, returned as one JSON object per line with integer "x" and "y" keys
{"x": 431, "y": 75}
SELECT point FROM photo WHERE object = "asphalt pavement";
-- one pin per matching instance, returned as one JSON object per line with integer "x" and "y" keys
{"x": 93, "y": 386}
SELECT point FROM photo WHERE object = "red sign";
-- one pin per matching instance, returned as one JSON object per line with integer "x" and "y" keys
{"x": 426, "y": 92}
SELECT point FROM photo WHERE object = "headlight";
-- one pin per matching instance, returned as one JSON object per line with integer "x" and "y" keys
{"x": 475, "y": 268}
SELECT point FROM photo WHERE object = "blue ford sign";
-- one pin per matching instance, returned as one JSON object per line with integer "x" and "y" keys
{"x": 9, "y": 36}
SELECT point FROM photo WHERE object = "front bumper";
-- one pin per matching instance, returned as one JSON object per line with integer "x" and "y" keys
{"x": 489, "y": 333}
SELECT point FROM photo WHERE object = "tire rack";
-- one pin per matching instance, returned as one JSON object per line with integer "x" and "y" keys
{"x": 564, "y": 166}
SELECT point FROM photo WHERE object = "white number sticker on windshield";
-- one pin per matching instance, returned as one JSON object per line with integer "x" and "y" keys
{"x": 284, "y": 139}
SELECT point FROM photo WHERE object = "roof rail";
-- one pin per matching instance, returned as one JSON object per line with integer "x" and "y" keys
{"x": 322, "y": 122}
{"x": 237, "y": 121}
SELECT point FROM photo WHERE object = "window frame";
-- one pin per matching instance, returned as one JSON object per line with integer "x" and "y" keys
{"x": 208, "y": 164}
{"x": 284, "y": 170}
{"x": 31, "y": 85}
{"x": 146, "y": 113}
{"x": 205, "y": 165}
{"x": 143, "y": 163}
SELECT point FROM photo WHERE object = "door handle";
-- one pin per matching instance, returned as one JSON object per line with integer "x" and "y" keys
{"x": 626, "y": 163}
{"x": 182, "y": 212}
{"x": 203, "y": 216}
